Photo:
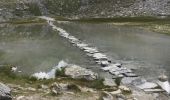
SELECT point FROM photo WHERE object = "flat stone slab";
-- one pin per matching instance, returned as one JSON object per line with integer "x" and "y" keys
{"x": 154, "y": 90}
{"x": 109, "y": 82}
{"x": 130, "y": 75}
{"x": 148, "y": 85}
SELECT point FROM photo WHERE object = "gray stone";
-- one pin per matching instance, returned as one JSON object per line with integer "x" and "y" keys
{"x": 77, "y": 72}
{"x": 107, "y": 96}
{"x": 5, "y": 92}
{"x": 125, "y": 89}
{"x": 109, "y": 82}
{"x": 147, "y": 85}
{"x": 116, "y": 92}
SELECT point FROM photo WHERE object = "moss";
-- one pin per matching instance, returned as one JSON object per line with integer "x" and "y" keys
{"x": 60, "y": 72}
{"x": 27, "y": 21}
{"x": 118, "y": 81}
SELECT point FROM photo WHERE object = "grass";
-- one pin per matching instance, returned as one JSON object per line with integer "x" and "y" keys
{"x": 60, "y": 73}
{"x": 27, "y": 21}
{"x": 123, "y": 19}
{"x": 10, "y": 77}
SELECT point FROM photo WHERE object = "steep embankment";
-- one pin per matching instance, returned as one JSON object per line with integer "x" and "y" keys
{"x": 83, "y": 8}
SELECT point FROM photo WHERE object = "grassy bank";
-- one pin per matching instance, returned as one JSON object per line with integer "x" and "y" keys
{"x": 14, "y": 78}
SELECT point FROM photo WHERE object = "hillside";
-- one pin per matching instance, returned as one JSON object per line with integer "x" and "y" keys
{"x": 83, "y": 8}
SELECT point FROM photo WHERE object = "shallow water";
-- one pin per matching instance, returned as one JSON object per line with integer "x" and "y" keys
{"x": 145, "y": 51}
{"x": 35, "y": 48}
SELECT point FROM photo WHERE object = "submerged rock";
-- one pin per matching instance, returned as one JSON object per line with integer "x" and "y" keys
{"x": 77, "y": 72}
{"x": 5, "y": 92}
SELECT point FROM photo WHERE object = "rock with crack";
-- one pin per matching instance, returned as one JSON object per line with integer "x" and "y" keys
{"x": 77, "y": 72}
{"x": 5, "y": 92}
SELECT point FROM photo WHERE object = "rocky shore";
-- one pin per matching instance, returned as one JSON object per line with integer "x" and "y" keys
{"x": 80, "y": 84}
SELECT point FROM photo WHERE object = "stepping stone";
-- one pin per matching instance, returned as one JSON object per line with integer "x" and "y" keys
{"x": 104, "y": 63}
{"x": 154, "y": 90}
{"x": 147, "y": 85}
{"x": 130, "y": 75}
{"x": 117, "y": 76}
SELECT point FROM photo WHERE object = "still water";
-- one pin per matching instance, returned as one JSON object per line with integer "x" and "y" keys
{"x": 143, "y": 50}
{"x": 38, "y": 48}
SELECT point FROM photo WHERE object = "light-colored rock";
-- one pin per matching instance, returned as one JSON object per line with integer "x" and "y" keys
{"x": 109, "y": 82}
{"x": 116, "y": 92}
{"x": 107, "y": 96}
{"x": 125, "y": 89}
{"x": 20, "y": 98}
{"x": 44, "y": 86}
{"x": 77, "y": 72}
{"x": 30, "y": 89}
{"x": 147, "y": 85}
{"x": 5, "y": 92}
{"x": 164, "y": 85}
{"x": 57, "y": 88}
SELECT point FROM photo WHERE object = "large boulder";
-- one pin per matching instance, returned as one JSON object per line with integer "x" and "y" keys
{"x": 77, "y": 72}
{"x": 5, "y": 92}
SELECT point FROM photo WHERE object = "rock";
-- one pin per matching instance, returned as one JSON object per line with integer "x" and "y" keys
{"x": 128, "y": 80}
{"x": 163, "y": 78}
{"x": 154, "y": 90}
{"x": 77, "y": 72}
{"x": 109, "y": 82}
{"x": 147, "y": 85}
{"x": 59, "y": 88}
{"x": 125, "y": 89}
{"x": 5, "y": 92}
{"x": 30, "y": 89}
{"x": 138, "y": 81}
{"x": 20, "y": 98}
{"x": 116, "y": 92}
{"x": 165, "y": 86}
{"x": 56, "y": 88}
{"x": 44, "y": 86}
{"x": 107, "y": 96}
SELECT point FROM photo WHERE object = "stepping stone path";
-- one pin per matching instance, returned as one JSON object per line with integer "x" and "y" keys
{"x": 101, "y": 59}
{"x": 115, "y": 69}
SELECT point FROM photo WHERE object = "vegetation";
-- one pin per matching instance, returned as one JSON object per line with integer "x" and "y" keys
{"x": 10, "y": 77}
{"x": 73, "y": 87}
{"x": 118, "y": 81}
{"x": 27, "y": 21}
{"x": 60, "y": 72}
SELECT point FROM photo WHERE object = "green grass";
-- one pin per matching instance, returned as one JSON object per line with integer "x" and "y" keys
{"x": 60, "y": 73}
{"x": 32, "y": 20}
{"x": 123, "y": 19}
{"x": 10, "y": 77}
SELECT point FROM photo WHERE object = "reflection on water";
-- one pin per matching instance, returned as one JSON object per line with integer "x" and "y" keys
{"x": 36, "y": 48}
{"x": 136, "y": 48}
